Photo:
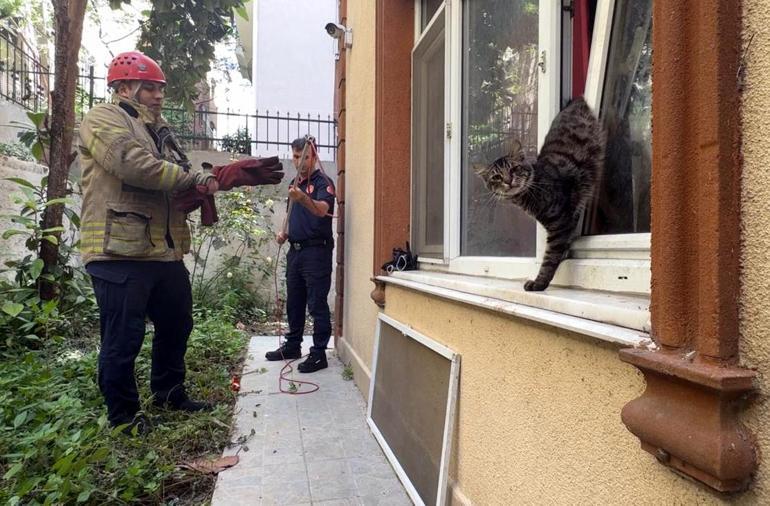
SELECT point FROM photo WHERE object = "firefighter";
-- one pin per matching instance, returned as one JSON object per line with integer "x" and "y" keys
{"x": 133, "y": 239}
{"x": 309, "y": 260}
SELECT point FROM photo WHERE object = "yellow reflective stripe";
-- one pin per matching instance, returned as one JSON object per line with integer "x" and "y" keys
{"x": 163, "y": 173}
{"x": 168, "y": 175}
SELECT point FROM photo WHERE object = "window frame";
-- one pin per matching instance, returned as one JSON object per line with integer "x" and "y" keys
{"x": 619, "y": 263}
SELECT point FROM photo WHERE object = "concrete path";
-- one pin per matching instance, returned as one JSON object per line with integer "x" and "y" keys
{"x": 304, "y": 449}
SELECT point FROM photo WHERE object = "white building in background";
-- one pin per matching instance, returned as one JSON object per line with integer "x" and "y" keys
{"x": 289, "y": 57}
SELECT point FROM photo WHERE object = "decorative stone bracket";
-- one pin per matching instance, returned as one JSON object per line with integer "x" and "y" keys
{"x": 688, "y": 417}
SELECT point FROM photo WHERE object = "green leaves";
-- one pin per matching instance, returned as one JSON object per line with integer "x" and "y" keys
{"x": 182, "y": 40}
{"x": 242, "y": 12}
{"x": 36, "y": 268}
{"x": 12, "y": 308}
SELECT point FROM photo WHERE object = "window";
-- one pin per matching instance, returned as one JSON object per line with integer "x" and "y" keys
{"x": 623, "y": 198}
{"x": 499, "y": 101}
{"x": 487, "y": 72}
{"x": 428, "y": 137}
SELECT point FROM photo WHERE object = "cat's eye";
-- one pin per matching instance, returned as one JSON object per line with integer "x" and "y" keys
{"x": 496, "y": 178}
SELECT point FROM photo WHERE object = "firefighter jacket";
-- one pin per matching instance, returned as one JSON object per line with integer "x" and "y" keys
{"x": 128, "y": 179}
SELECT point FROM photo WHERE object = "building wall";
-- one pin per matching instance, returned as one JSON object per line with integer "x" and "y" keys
{"x": 294, "y": 56}
{"x": 755, "y": 209}
{"x": 538, "y": 418}
{"x": 360, "y": 312}
{"x": 13, "y": 247}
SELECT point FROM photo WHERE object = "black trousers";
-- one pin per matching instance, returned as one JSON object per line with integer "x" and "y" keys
{"x": 127, "y": 293}
{"x": 308, "y": 279}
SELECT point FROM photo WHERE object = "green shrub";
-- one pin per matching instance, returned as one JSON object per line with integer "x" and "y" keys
{"x": 58, "y": 448}
{"x": 16, "y": 150}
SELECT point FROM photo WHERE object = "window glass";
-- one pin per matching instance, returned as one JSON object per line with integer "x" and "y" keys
{"x": 428, "y": 141}
{"x": 427, "y": 9}
{"x": 500, "y": 73}
{"x": 622, "y": 203}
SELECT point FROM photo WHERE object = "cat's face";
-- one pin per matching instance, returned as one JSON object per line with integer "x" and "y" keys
{"x": 507, "y": 176}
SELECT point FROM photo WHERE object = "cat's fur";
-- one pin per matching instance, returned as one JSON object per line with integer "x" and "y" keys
{"x": 555, "y": 188}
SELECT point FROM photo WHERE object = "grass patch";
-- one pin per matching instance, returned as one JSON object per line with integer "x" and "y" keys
{"x": 56, "y": 446}
{"x": 347, "y": 372}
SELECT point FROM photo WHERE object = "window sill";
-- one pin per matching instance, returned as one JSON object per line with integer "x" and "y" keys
{"x": 617, "y": 318}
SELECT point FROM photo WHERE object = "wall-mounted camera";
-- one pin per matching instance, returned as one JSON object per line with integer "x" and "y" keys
{"x": 340, "y": 32}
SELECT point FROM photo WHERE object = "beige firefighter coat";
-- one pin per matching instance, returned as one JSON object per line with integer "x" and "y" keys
{"x": 127, "y": 188}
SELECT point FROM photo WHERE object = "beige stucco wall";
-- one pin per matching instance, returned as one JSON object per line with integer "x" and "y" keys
{"x": 360, "y": 312}
{"x": 538, "y": 418}
{"x": 755, "y": 281}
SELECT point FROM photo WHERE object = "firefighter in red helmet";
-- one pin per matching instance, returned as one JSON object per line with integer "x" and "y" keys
{"x": 133, "y": 240}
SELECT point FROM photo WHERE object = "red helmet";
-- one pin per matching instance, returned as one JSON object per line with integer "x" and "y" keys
{"x": 134, "y": 66}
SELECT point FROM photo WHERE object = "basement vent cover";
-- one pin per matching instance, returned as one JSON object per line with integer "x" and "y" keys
{"x": 412, "y": 398}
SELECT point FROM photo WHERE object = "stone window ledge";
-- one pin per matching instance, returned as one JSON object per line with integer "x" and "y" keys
{"x": 617, "y": 318}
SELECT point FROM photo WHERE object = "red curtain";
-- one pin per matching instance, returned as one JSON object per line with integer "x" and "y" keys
{"x": 581, "y": 46}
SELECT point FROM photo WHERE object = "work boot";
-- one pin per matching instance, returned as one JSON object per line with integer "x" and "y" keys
{"x": 315, "y": 362}
{"x": 182, "y": 403}
{"x": 285, "y": 352}
{"x": 139, "y": 425}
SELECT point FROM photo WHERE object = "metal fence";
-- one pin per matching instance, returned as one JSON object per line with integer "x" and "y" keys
{"x": 26, "y": 82}
{"x": 251, "y": 133}
{"x": 23, "y": 79}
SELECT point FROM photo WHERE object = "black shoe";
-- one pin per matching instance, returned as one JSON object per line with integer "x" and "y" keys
{"x": 191, "y": 406}
{"x": 183, "y": 403}
{"x": 139, "y": 425}
{"x": 285, "y": 352}
{"x": 315, "y": 362}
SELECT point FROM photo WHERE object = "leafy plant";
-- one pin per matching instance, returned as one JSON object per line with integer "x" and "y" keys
{"x": 36, "y": 138}
{"x": 58, "y": 447}
{"x": 239, "y": 142}
{"x": 347, "y": 372}
{"x": 182, "y": 39}
{"x": 16, "y": 150}
{"x": 24, "y": 317}
{"x": 244, "y": 227}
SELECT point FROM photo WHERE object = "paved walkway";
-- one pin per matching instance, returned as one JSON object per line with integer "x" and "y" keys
{"x": 304, "y": 449}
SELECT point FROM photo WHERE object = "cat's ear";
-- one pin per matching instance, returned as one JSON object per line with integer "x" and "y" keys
{"x": 480, "y": 169}
{"x": 516, "y": 151}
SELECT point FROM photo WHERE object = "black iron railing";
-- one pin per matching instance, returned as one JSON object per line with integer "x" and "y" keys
{"x": 251, "y": 133}
{"x": 23, "y": 79}
{"x": 26, "y": 82}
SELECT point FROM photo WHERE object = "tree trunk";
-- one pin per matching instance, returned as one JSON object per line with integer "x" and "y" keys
{"x": 69, "y": 16}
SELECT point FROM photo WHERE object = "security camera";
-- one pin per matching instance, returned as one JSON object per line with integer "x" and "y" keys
{"x": 338, "y": 32}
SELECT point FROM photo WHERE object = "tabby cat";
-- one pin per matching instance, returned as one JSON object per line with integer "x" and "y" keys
{"x": 555, "y": 188}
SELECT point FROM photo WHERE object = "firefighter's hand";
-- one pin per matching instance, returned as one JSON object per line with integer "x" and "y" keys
{"x": 281, "y": 237}
{"x": 297, "y": 195}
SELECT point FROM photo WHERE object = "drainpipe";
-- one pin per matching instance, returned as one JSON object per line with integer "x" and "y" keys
{"x": 339, "y": 112}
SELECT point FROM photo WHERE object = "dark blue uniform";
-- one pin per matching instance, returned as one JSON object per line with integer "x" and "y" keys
{"x": 127, "y": 293}
{"x": 309, "y": 264}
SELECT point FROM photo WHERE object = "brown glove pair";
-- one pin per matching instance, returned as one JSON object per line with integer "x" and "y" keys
{"x": 248, "y": 172}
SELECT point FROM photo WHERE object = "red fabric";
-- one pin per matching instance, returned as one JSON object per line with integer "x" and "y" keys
{"x": 196, "y": 197}
{"x": 581, "y": 47}
{"x": 134, "y": 66}
{"x": 249, "y": 172}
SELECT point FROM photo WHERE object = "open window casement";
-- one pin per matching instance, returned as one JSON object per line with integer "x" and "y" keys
{"x": 506, "y": 70}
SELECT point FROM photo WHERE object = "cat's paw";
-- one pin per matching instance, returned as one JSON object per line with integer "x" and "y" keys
{"x": 534, "y": 286}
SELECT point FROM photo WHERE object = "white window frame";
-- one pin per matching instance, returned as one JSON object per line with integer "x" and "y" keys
{"x": 619, "y": 263}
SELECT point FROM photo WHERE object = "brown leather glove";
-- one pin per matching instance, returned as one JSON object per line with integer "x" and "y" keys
{"x": 194, "y": 197}
{"x": 249, "y": 172}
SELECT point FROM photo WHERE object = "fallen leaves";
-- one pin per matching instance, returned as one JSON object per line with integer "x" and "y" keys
{"x": 211, "y": 466}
